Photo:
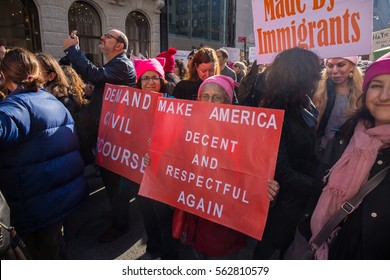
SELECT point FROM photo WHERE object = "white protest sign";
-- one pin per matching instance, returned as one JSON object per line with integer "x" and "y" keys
{"x": 234, "y": 54}
{"x": 381, "y": 39}
{"x": 252, "y": 54}
{"x": 182, "y": 55}
{"x": 328, "y": 27}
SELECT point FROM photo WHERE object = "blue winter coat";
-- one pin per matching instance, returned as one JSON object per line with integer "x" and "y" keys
{"x": 41, "y": 170}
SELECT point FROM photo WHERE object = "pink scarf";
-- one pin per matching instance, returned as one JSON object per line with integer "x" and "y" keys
{"x": 348, "y": 174}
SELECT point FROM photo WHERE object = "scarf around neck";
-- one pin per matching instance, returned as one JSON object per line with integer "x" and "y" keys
{"x": 348, "y": 174}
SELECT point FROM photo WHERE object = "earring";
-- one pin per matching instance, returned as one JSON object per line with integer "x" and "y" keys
{"x": 350, "y": 75}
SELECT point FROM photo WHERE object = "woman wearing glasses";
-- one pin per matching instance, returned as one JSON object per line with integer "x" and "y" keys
{"x": 157, "y": 216}
{"x": 211, "y": 240}
{"x": 150, "y": 74}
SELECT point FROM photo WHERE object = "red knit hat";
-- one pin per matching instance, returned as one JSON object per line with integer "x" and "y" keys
{"x": 153, "y": 64}
{"x": 169, "y": 56}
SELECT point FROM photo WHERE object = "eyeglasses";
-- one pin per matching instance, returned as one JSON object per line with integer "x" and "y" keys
{"x": 214, "y": 98}
{"x": 119, "y": 39}
{"x": 148, "y": 79}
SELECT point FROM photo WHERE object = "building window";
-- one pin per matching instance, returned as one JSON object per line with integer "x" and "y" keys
{"x": 19, "y": 25}
{"x": 204, "y": 20}
{"x": 138, "y": 33}
{"x": 85, "y": 19}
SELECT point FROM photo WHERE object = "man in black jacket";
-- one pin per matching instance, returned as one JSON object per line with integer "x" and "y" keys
{"x": 118, "y": 70}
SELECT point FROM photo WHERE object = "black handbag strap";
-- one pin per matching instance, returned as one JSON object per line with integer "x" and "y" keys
{"x": 347, "y": 208}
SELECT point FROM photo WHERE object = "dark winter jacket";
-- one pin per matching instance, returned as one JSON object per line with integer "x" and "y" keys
{"x": 186, "y": 89}
{"x": 295, "y": 169}
{"x": 41, "y": 169}
{"x": 365, "y": 234}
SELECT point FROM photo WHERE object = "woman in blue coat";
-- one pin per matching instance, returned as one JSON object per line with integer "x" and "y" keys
{"x": 41, "y": 169}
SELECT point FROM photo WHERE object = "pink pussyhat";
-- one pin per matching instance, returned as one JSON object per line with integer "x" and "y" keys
{"x": 153, "y": 64}
{"x": 352, "y": 59}
{"x": 225, "y": 82}
{"x": 379, "y": 67}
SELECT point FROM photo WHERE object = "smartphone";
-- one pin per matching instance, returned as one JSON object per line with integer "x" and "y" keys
{"x": 73, "y": 33}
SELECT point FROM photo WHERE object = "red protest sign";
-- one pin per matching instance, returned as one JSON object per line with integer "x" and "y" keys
{"x": 126, "y": 124}
{"x": 213, "y": 160}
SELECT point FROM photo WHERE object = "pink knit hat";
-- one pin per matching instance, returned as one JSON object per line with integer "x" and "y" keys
{"x": 169, "y": 56}
{"x": 352, "y": 59}
{"x": 153, "y": 64}
{"x": 379, "y": 67}
{"x": 225, "y": 82}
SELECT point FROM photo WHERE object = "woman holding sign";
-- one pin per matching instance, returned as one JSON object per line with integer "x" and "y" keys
{"x": 212, "y": 240}
{"x": 291, "y": 81}
{"x": 156, "y": 215}
{"x": 150, "y": 74}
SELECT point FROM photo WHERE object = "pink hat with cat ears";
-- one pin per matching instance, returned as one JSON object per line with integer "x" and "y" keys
{"x": 152, "y": 64}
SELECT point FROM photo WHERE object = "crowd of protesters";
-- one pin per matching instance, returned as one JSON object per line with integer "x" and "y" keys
{"x": 335, "y": 137}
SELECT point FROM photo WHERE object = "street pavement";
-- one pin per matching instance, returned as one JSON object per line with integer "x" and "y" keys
{"x": 86, "y": 225}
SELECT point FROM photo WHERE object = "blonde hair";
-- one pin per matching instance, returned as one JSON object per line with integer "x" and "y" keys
{"x": 355, "y": 84}
{"x": 242, "y": 67}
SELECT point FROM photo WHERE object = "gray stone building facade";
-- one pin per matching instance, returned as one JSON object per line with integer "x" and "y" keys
{"x": 42, "y": 25}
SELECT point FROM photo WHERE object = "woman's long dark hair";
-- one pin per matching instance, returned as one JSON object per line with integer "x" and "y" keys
{"x": 292, "y": 77}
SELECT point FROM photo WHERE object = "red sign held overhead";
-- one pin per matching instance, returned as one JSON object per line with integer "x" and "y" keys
{"x": 213, "y": 160}
{"x": 241, "y": 39}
